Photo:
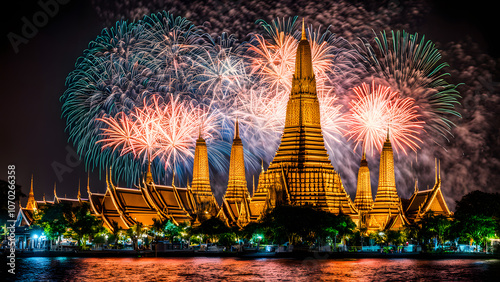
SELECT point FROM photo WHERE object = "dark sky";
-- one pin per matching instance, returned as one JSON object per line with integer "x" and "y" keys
{"x": 33, "y": 136}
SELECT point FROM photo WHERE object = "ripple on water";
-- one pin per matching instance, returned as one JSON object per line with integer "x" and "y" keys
{"x": 232, "y": 269}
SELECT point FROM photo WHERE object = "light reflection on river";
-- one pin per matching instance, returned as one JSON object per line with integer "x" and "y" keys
{"x": 232, "y": 269}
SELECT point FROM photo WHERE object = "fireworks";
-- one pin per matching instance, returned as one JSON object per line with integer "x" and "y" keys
{"x": 377, "y": 111}
{"x": 143, "y": 90}
{"x": 413, "y": 68}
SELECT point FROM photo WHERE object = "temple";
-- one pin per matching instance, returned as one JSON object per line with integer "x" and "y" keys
{"x": 364, "y": 200}
{"x": 237, "y": 195}
{"x": 301, "y": 174}
{"x": 387, "y": 211}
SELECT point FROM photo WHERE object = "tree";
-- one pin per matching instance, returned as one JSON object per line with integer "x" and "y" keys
{"x": 211, "y": 228}
{"x": 480, "y": 204}
{"x": 54, "y": 220}
{"x": 115, "y": 232}
{"x": 135, "y": 232}
{"x": 82, "y": 224}
{"x": 157, "y": 229}
{"x": 434, "y": 226}
{"x": 304, "y": 224}
{"x": 479, "y": 228}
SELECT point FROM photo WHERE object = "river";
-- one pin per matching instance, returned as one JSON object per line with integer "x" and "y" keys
{"x": 234, "y": 269}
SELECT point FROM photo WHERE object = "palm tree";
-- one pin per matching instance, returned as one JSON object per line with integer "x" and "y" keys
{"x": 115, "y": 231}
{"x": 135, "y": 232}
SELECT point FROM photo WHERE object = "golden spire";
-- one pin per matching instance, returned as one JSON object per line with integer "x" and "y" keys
{"x": 364, "y": 199}
{"x": 439, "y": 169}
{"x": 149, "y": 175}
{"x": 31, "y": 189}
{"x": 303, "y": 31}
{"x": 237, "y": 183}
{"x": 55, "y": 194}
{"x": 79, "y": 196}
{"x": 435, "y": 170}
{"x": 236, "y": 130}
{"x": 31, "y": 204}
{"x": 303, "y": 60}
{"x": 387, "y": 201}
{"x": 201, "y": 173}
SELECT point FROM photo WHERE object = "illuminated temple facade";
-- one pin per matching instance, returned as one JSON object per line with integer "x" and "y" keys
{"x": 301, "y": 173}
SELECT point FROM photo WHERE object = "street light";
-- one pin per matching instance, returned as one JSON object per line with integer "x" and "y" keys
{"x": 258, "y": 243}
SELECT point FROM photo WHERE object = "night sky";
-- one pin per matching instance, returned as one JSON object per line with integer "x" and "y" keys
{"x": 33, "y": 136}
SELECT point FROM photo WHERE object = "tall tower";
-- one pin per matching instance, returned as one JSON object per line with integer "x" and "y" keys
{"x": 201, "y": 176}
{"x": 31, "y": 204}
{"x": 301, "y": 172}
{"x": 236, "y": 198}
{"x": 206, "y": 205}
{"x": 237, "y": 184}
{"x": 364, "y": 199}
{"x": 387, "y": 204}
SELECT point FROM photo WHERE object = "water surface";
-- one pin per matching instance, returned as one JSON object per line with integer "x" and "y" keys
{"x": 234, "y": 269}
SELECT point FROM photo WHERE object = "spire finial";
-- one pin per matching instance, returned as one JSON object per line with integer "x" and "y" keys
{"x": 303, "y": 31}
{"x": 435, "y": 169}
{"x": 79, "y": 196}
{"x": 31, "y": 189}
{"x": 55, "y": 194}
{"x": 439, "y": 169}
{"x": 236, "y": 130}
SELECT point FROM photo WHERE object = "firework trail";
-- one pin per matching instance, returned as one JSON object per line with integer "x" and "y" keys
{"x": 413, "y": 68}
{"x": 377, "y": 111}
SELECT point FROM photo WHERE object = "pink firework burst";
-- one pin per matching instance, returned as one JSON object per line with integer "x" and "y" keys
{"x": 375, "y": 111}
{"x": 159, "y": 130}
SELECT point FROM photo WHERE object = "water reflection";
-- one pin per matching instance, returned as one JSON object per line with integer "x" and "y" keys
{"x": 232, "y": 269}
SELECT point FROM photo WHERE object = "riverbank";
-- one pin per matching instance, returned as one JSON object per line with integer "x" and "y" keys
{"x": 257, "y": 255}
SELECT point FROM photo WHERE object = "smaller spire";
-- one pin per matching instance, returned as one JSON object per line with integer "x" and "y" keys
{"x": 439, "y": 169}
{"x": 416, "y": 185}
{"x": 303, "y": 31}
{"x": 253, "y": 184}
{"x": 435, "y": 170}
{"x": 31, "y": 189}
{"x": 262, "y": 165}
{"x": 236, "y": 130}
{"x": 79, "y": 196}
{"x": 55, "y": 194}
{"x": 173, "y": 178}
{"x": 43, "y": 198}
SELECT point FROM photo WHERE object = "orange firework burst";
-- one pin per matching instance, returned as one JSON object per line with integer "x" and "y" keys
{"x": 375, "y": 111}
{"x": 165, "y": 130}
